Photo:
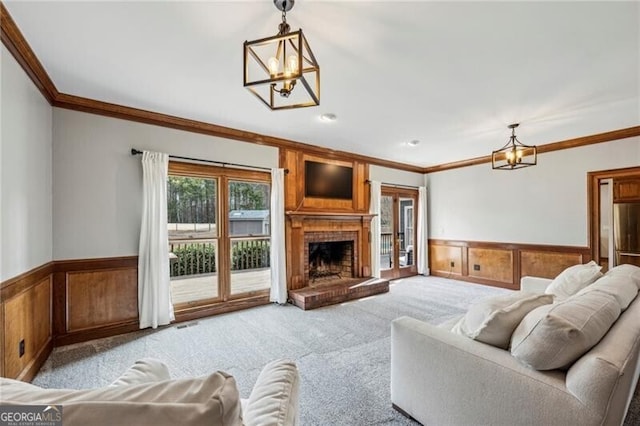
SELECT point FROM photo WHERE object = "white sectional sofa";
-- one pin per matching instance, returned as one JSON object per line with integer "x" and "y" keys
{"x": 442, "y": 378}
{"x": 146, "y": 395}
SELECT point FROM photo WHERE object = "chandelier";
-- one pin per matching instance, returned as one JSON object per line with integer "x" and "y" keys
{"x": 281, "y": 70}
{"x": 514, "y": 155}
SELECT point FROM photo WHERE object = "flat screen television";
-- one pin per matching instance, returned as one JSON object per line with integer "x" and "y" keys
{"x": 322, "y": 180}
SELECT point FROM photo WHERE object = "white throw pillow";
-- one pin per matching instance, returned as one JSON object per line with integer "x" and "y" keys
{"x": 493, "y": 319}
{"x": 619, "y": 286}
{"x": 555, "y": 336}
{"x": 274, "y": 398}
{"x": 573, "y": 279}
{"x": 630, "y": 271}
{"x": 145, "y": 370}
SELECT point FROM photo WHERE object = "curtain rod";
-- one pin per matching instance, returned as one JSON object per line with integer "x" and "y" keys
{"x": 395, "y": 185}
{"x": 137, "y": 152}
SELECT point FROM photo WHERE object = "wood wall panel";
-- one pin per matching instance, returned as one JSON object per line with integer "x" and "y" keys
{"x": 491, "y": 264}
{"x": 17, "y": 328}
{"x": 441, "y": 257}
{"x": 546, "y": 264}
{"x": 502, "y": 264}
{"x": 27, "y": 316}
{"x": 295, "y": 200}
{"x": 101, "y": 298}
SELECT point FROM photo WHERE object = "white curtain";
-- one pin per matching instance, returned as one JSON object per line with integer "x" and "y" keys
{"x": 154, "y": 292}
{"x": 278, "y": 253}
{"x": 422, "y": 248}
{"x": 374, "y": 208}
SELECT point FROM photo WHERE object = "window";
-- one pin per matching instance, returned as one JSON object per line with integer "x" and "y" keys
{"x": 219, "y": 233}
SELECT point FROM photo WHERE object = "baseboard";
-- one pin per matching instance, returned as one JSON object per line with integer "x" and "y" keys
{"x": 96, "y": 333}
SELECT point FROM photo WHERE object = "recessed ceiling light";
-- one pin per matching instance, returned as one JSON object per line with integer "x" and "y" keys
{"x": 413, "y": 142}
{"x": 328, "y": 117}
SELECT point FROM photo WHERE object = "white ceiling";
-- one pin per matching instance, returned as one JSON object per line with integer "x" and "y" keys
{"x": 450, "y": 74}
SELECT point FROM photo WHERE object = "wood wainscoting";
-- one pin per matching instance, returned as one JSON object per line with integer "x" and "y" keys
{"x": 94, "y": 298}
{"x": 25, "y": 320}
{"x": 501, "y": 264}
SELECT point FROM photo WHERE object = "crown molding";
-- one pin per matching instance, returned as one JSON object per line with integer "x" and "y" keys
{"x": 613, "y": 135}
{"x": 15, "y": 42}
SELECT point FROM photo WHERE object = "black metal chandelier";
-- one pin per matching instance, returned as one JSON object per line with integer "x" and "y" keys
{"x": 515, "y": 154}
{"x": 281, "y": 70}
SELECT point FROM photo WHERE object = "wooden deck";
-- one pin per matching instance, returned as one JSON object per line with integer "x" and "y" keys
{"x": 198, "y": 287}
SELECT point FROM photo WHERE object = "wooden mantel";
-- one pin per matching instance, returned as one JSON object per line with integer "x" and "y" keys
{"x": 301, "y": 216}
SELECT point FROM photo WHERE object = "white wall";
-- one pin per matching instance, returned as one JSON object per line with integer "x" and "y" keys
{"x": 98, "y": 184}
{"x": 545, "y": 204}
{"x": 393, "y": 176}
{"x": 25, "y": 172}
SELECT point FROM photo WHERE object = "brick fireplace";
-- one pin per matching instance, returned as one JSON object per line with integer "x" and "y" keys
{"x": 329, "y": 258}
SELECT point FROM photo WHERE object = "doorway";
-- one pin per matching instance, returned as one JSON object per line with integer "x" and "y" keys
{"x": 613, "y": 213}
{"x": 398, "y": 215}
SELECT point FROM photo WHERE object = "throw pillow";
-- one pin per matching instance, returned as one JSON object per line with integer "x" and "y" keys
{"x": 573, "y": 279}
{"x": 493, "y": 319}
{"x": 618, "y": 286}
{"x": 145, "y": 370}
{"x": 274, "y": 398}
{"x": 208, "y": 400}
{"x": 630, "y": 271}
{"x": 555, "y": 336}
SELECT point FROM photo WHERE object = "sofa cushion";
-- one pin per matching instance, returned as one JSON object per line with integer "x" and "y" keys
{"x": 274, "y": 398}
{"x": 208, "y": 400}
{"x": 493, "y": 319}
{"x": 573, "y": 279}
{"x": 145, "y": 370}
{"x": 554, "y": 336}
{"x": 630, "y": 271}
{"x": 619, "y": 286}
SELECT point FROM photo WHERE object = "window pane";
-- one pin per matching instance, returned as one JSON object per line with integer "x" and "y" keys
{"x": 249, "y": 216}
{"x": 386, "y": 232}
{"x": 193, "y": 270}
{"x": 249, "y": 208}
{"x": 192, "y": 207}
{"x": 405, "y": 234}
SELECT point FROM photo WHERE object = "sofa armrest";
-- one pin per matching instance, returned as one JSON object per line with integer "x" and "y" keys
{"x": 274, "y": 398}
{"x": 534, "y": 284}
{"x": 439, "y": 377}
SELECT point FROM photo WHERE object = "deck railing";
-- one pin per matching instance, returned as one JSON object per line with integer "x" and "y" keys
{"x": 250, "y": 253}
{"x": 194, "y": 257}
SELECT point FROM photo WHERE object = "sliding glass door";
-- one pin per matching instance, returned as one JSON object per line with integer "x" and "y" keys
{"x": 219, "y": 234}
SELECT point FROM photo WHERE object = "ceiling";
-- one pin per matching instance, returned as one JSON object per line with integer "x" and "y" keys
{"x": 452, "y": 75}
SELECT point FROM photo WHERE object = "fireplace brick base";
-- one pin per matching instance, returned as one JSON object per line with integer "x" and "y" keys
{"x": 343, "y": 291}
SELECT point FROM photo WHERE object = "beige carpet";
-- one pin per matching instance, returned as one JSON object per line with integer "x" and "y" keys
{"x": 342, "y": 351}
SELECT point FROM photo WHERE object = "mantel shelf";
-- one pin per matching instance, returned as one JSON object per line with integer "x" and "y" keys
{"x": 329, "y": 215}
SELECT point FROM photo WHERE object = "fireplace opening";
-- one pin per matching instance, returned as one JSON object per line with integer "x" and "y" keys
{"x": 330, "y": 260}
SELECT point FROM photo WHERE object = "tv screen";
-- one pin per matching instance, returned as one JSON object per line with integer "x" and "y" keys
{"x": 328, "y": 181}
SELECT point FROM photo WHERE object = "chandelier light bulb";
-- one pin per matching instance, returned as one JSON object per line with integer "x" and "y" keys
{"x": 293, "y": 64}
{"x": 273, "y": 65}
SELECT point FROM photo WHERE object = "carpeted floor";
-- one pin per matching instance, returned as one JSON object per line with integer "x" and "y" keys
{"x": 342, "y": 351}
